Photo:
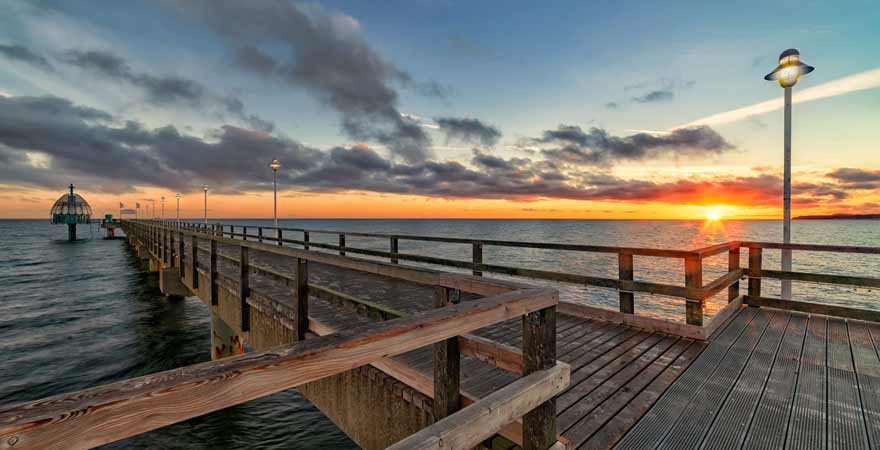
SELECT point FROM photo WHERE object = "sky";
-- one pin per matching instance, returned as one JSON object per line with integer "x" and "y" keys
{"x": 438, "y": 108}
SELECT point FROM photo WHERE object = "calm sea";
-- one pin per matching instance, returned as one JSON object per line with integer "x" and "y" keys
{"x": 76, "y": 315}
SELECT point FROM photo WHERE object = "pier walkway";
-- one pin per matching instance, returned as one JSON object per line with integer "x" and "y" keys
{"x": 500, "y": 363}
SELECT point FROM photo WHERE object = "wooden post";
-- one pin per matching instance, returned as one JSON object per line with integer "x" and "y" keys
{"x": 244, "y": 233}
{"x": 305, "y": 240}
{"x": 539, "y": 353}
{"x": 625, "y": 273}
{"x": 341, "y": 245}
{"x": 301, "y": 307}
{"x": 393, "y": 249}
{"x": 213, "y": 277}
{"x": 180, "y": 264}
{"x": 260, "y": 234}
{"x": 447, "y": 366}
{"x": 755, "y": 257}
{"x": 195, "y": 262}
{"x": 693, "y": 282}
{"x": 280, "y": 238}
{"x": 733, "y": 264}
{"x": 477, "y": 253}
{"x": 244, "y": 289}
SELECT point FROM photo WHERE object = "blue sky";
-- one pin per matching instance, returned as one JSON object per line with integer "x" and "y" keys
{"x": 522, "y": 67}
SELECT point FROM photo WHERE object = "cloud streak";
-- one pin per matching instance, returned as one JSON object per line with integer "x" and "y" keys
{"x": 858, "y": 82}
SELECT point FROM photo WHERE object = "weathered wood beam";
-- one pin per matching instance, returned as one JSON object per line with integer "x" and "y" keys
{"x": 539, "y": 353}
{"x": 301, "y": 302}
{"x": 447, "y": 366}
{"x": 754, "y": 272}
{"x": 693, "y": 274}
{"x": 625, "y": 273}
{"x": 822, "y": 278}
{"x": 815, "y": 308}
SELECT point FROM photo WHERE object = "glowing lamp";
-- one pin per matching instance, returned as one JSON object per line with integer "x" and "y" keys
{"x": 790, "y": 68}
{"x": 275, "y": 165}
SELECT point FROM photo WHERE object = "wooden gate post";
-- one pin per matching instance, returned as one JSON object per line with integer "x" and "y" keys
{"x": 447, "y": 364}
{"x": 625, "y": 273}
{"x": 539, "y": 353}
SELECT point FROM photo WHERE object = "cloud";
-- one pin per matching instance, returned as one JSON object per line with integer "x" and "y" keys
{"x": 869, "y": 79}
{"x": 657, "y": 96}
{"x": 598, "y": 147}
{"x": 163, "y": 90}
{"x": 468, "y": 130}
{"x": 324, "y": 53}
{"x": 612, "y": 105}
{"x": 23, "y": 54}
{"x": 856, "y": 178}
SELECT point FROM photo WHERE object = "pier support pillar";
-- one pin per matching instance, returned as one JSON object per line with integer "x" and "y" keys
{"x": 155, "y": 265}
{"x": 224, "y": 341}
{"x": 171, "y": 285}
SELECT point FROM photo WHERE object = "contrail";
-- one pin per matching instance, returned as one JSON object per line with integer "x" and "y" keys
{"x": 865, "y": 80}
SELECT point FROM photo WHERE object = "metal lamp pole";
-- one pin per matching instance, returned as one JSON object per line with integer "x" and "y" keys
{"x": 162, "y": 202}
{"x": 178, "y": 206}
{"x": 788, "y": 71}
{"x": 275, "y": 165}
{"x": 205, "y": 187}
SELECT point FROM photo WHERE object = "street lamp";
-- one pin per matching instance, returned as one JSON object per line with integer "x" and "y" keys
{"x": 205, "y": 188}
{"x": 788, "y": 71}
{"x": 275, "y": 165}
{"x": 162, "y": 202}
{"x": 177, "y": 196}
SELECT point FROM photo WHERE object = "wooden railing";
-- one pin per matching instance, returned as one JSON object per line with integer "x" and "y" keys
{"x": 109, "y": 413}
{"x": 693, "y": 291}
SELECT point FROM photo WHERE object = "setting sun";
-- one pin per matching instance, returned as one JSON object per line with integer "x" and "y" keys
{"x": 714, "y": 213}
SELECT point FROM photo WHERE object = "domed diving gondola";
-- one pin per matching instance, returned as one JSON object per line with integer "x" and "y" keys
{"x": 71, "y": 209}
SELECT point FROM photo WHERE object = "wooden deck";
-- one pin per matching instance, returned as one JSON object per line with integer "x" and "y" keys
{"x": 772, "y": 379}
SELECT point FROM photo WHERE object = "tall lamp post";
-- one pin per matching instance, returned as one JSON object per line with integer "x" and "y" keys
{"x": 788, "y": 71}
{"x": 205, "y": 188}
{"x": 162, "y": 202}
{"x": 177, "y": 196}
{"x": 275, "y": 165}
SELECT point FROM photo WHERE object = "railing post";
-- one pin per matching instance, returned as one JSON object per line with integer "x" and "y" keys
{"x": 301, "y": 308}
{"x": 733, "y": 264}
{"x": 625, "y": 273}
{"x": 195, "y": 261}
{"x": 180, "y": 264}
{"x": 305, "y": 240}
{"x": 260, "y": 234}
{"x": 477, "y": 253}
{"x": 280, "y": 238}
{"x": 755, "y": 257}
{"x": 539, "y": 353}
{"x": 341, "y": 245}
{"x": 393, "y": 249}
{"x": 213, "y": 277}
{"x": 447, "y": 364}
{"x": 693, "y": 283}
{"x": 244, "y": 289}
{"x": 244, "y": 233}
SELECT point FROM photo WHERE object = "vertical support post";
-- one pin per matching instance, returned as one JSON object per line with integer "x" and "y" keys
{"x": 786, "y": 196}
{"x": 305, "y": 240}
{"x": 180, "y": 264}
{"x": 244, "y": 289}
{"x": 393, "y": 249}
{"x": 341, "y": 245}
{"x": 301, "y": 308}
{"x": 477, "y": 253}
{"x": 447, "y": 364}
{"x": 213, "y": 277}
{"x": 625, "y": 273}
{"x": 539, "y": 353}
{"x": 260, "y": 234}
{"x": 755, "y": 257}
{"x": 195, "y": 262}
{"x": 280, "y": 238}
{"x": 244, "y": 233}
{"x": 733, "y": 264}
{"x": 693, "y": 283}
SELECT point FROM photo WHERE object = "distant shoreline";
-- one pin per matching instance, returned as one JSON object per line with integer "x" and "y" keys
{"x": 840, "y": 217}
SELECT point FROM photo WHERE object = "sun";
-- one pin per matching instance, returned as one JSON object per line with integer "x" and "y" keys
{"x": 714, "y": 214}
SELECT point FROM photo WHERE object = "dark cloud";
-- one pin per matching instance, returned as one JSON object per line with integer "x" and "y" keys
{"x": 856, "y": 178}
{"x": 21, "y": 53}
{"x": 655, "y": 96}
{"x": 324, "y": 53}
{"x": 467, "y": 130}
{"x": 598, "y": 147}
{"x": 164, "y": 90}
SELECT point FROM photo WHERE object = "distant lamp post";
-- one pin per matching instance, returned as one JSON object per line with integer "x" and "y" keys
{"x": 787, "y": 73}
{"x": 177, "y": 196}
{"x": 162, "y": 202}
{"x": 205, "y": 188}
{"x": 275, "y": 165}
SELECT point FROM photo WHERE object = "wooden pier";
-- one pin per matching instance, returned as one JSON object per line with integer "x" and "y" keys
{"x": 406, "y": 357}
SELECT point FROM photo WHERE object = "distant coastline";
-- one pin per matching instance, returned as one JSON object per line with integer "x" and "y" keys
{"x": 840, "y": 217}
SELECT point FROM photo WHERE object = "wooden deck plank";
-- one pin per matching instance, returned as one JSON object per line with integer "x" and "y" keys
{"x": 846, "y": 425}
{"x": 807, "y": 424}
{"x": 657, "y": 422}
{"x": 867, "y": 367}
{"x": 769, "y": 423}
{"x": 730, "y": 425}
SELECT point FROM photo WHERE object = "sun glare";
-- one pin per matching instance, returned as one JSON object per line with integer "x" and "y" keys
{"x": 714, "y": 214}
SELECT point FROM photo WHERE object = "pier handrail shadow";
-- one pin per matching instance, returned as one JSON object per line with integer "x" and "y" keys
{"x": 112, "y": 412}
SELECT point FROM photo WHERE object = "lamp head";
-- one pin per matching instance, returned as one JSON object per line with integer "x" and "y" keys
{"x": 789, "y": 70}
{"x": 275, "y": 165}
{"x": 205, "y": 187}
{"x": 177, "y": 195}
